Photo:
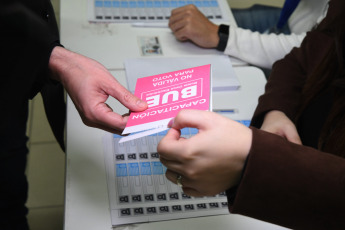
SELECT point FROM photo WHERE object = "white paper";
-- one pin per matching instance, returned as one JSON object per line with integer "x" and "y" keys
{"x": 142, "y": 134}
{"x": 191, "y": 88}
{"x": 223, "y": 75}
{"x": 139, "y": 191}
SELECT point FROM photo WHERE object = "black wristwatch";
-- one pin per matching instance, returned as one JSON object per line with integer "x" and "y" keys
{"x": 223, "y": 33}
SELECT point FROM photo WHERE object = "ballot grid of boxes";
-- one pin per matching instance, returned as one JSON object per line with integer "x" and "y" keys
{"x": 141, "y": 186}
{"x": 171, "y": 209}
{"x": 149, "y": 10}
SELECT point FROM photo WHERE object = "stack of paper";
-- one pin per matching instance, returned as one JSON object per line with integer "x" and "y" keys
{"x": 223, "y": 75}
{"x": 166, "y": 94}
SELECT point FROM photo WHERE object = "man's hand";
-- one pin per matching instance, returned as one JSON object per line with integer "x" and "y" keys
{"x": 188, "y": 23}
{"x": 89, "y": 84}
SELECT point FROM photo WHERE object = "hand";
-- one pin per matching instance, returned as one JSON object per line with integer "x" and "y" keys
{"x": 89, "y": 84}
{"x": 278, "y": 123}
{"x": 209, "y": 162}
{"x": 188, "y": 23}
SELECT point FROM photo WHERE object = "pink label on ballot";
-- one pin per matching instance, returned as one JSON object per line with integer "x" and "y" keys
{"x": 168, "y": 93}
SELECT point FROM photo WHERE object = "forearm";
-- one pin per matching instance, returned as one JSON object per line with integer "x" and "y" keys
{"x": 291, "y": 185}
{"x": 260, "y": 49}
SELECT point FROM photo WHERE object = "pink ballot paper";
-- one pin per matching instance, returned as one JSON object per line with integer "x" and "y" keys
{"x": 167, "y": 94}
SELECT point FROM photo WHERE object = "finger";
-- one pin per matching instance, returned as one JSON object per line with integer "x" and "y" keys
{"x": 103, "y": 116}
{"x": 173, "y": 134}
{"x": 186, "y": 185}
{"x": 171, "y": 146}
{"x": 107, "y": 128}
{"x": 172, "y": 21}
{"x": 171, "y": 164}
{"x": 181, "y": 17}
{"x": 293, "y": 137}
{"x": 129, "y": 100}
{"x": 181, "y": 10}
{"x": 182, "y": 35}
{"x": 177, "y": 24}
{"x": 173, "y": 175}
{"x": 176, "y": 15}
{"x": 295, "y": 140}
{"x": 192, "y": 118}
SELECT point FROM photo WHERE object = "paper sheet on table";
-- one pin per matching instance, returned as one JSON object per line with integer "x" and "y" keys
{"x": 223, "y": 75}
{"x": 167, "y": 94}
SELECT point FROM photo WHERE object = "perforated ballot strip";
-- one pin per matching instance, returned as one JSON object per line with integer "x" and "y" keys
{"x": 148, "y": 10}
{"x": 138, "y": 189}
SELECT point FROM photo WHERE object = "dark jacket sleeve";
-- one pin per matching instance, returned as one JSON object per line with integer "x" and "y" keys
{"x": 283, "y": 183}
{"x": 291, "y": 185}
{"x": 28, "y": 35}
{"x": 284, "y": 86}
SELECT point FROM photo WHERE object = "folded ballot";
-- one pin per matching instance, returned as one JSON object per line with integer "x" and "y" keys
{"x": 167, "y": 94}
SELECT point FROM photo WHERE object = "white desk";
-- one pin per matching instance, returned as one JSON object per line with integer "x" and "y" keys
{"x": 110, "y": 44}
{"x": 87, "y": 204}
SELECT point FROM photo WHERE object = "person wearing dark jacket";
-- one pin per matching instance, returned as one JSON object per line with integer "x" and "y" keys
{"x": 288, "y": 168}
{"x": 33, "y": 61}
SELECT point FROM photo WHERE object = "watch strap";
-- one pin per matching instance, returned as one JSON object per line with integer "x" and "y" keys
{"x": 223, "y": 33}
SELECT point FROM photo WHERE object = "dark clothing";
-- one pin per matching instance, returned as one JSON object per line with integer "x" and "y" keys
{"x": 28, "y": 35}
{"x": 295, "y": 186}
{"x": 314, "y": 117}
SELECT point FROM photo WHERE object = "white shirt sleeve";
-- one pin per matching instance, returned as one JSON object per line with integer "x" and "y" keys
{"x": 264, "y": 49}
{"x": 261, "y": 50}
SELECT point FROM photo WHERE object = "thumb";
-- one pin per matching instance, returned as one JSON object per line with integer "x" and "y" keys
{"x": 126, "y": 98}
{"x": 171, "y": 142}
{"x": 191, "y": 118}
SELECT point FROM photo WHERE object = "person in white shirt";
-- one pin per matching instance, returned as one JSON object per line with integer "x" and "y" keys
{"x": 261, "y": 49}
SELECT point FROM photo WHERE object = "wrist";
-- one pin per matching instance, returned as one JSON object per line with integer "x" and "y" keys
{"x": 57, "y": 62}
{"x": 213, "y": 38}
{"x": 223, "y": 34}
{"x": 63, "y": 64}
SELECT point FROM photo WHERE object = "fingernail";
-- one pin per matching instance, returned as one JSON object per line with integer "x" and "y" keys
{"x": 171, "y": 122}
{"x": 141, "y": 103}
